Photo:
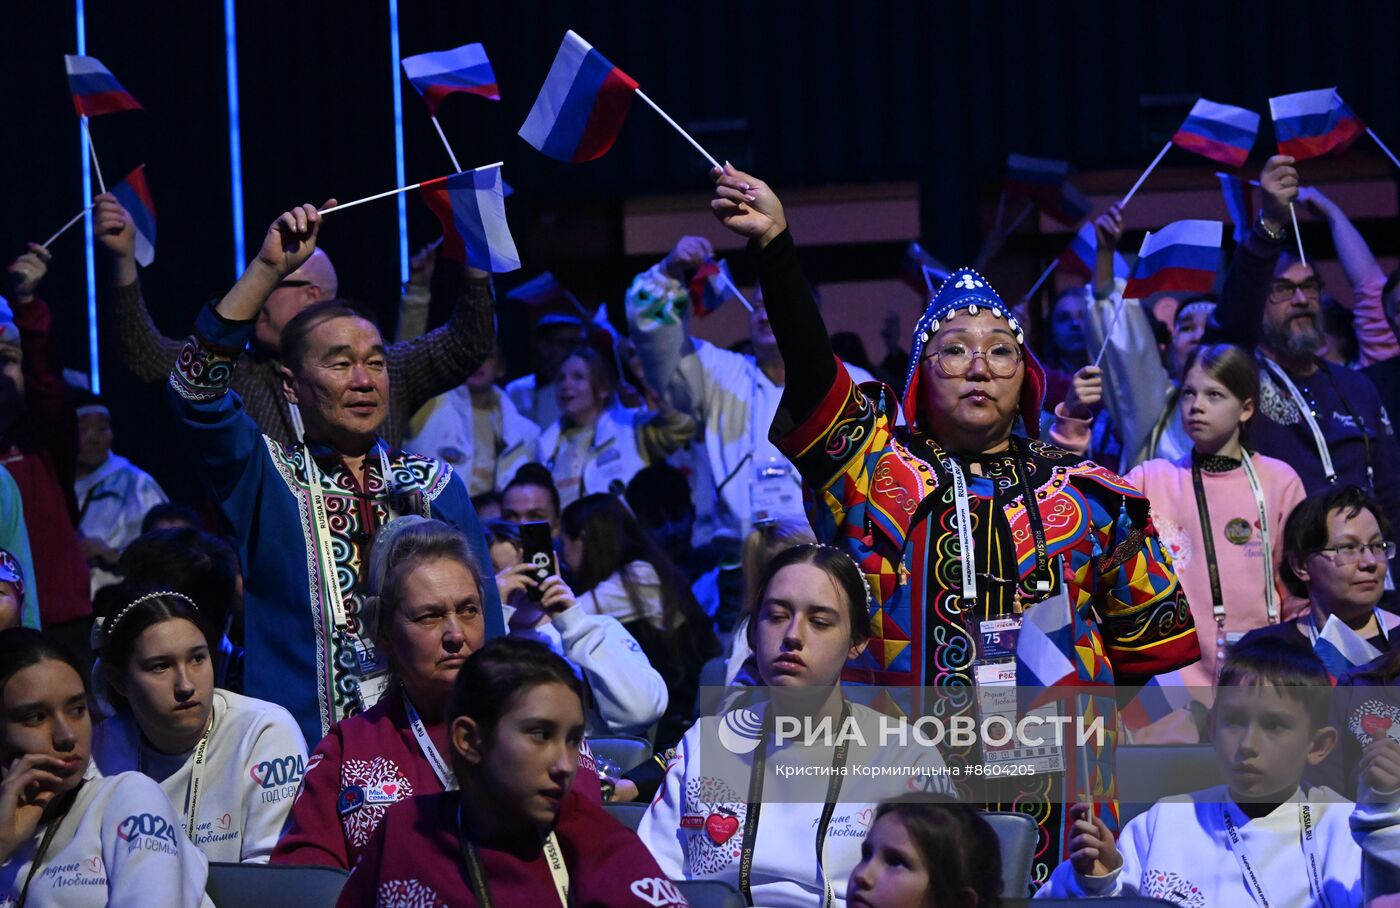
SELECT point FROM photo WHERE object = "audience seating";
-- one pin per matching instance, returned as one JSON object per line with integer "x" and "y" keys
{"x": 1017, "y": 834}
{"x": 1148, "y": 773}
{"x": 624, "y": 750}
{"x": 264, "y": 885}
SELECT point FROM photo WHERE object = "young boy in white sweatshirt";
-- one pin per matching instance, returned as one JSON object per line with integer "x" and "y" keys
{"x": 1261, "y": 838}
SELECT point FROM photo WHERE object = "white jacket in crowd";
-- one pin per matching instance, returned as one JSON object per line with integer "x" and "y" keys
{"x": 253, "y": 765}
{"x": 728, "y": 394}
{"x": 1179, "y": 851}
{"x": 113, "y": 500}
{"x": 446, "y": 428}
{"x": 628, "y": 696}
{"x": 121, "y": 845}
{"x": 694, "y": 827}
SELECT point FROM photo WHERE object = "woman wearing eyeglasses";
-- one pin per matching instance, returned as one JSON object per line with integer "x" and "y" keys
{"x": 933, "y": 506}
{"x": 1336, "y": 553}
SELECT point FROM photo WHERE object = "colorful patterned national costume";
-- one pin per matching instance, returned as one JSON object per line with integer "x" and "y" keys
{"x": 883, "y": 492}
{"x": 295, "y": 656}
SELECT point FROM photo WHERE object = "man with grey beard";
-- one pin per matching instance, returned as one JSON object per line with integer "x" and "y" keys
{"x": 1324, "y": 420}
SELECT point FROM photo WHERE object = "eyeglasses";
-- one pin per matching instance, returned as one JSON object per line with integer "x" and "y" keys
{"x": 1350, "y": 552}
{"x": 1283, "y": 291}
{"x": 955, "y": 360}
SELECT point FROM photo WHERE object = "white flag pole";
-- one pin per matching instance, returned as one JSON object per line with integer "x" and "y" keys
{"x": 456, "y": 168}
{"x": 92, "y": 152}
{"x": 385, "y": 195}
{"x": 1044, "y": 276}
{"x": 1297, "y": 235}
{"x": 1118, "y": 310}
{"x": 64, "y": 229}
{"x": 1150, "y": 167}
{"x": 677, "y": 127}
{"x": 1388, "y": 153}
{"x": 730, "y": 281}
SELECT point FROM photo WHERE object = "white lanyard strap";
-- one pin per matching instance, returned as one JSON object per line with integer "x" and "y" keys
{"x": 425, "y": 743}
{"x": 325, "y": 551}
{"x": 555, "y": 859}
{"x": 320, "y": 529}
{"x": 1252, "y": 880}
{"x": 1270, "y": 594}
{"x": 1322, "y": 450}
{"x": 964, "y": 517}
{"x": 197, "y": 779}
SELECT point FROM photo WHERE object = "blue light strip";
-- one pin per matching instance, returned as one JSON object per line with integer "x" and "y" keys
{"x": 402, "y": 198}
{"x": 235, "y": 138}
{"x": 94, "y": 371}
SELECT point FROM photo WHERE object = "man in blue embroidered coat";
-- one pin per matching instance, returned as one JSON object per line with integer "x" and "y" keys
{"x": 304, "y": 649}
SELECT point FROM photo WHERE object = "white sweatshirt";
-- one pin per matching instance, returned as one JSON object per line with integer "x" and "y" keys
{"x": 121, "y": 844}
{"x": 253, "y": 765}
{"x": 628, "y": 694}
{"x": 695, "y": 826}
{"x": 728, "y": 394}
{"x": 1178, "y": 851}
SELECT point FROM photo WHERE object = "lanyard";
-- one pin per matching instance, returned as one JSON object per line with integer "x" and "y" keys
{"x": 195, "y": 788}
{"x": 833, "y": 791}
{"x": 962, "y": 506}
{"x": 320, "y": 528}
{"x": 425, "y": 743}
{"x": 477, "y": 874}
{"x": 1252, "y": 881}
{"x": 1322, "y": 450}
{"x": 964, "y": 517}
{"x": 1208, "y": 536}
{"x": 50, "y": 830}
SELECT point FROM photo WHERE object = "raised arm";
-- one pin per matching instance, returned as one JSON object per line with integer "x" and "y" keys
{"x": 435, "y": 363}
{"x": 224, "y": 436}
{"x": 142, "y": 348}
{"x": 1367, "y": 280}
{"x": 1246, "y": 291}
{"x": 747, "y": 206}
{"x": 417, "y": 294}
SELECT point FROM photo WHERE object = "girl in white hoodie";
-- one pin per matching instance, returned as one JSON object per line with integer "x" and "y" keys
{"x": 733, "y": 797}
{"x": 232, "y": 763}
{"x": 70, "y": 836}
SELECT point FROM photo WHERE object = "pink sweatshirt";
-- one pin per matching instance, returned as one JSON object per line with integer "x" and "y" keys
{"x": 363, "y": 767}
{"x": 1238, "y": 548}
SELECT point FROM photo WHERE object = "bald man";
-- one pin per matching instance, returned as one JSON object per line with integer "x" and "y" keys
{"x": 419, "y": 369}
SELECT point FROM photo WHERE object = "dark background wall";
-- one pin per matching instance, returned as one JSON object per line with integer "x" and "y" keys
{"x": 804, "y": 93}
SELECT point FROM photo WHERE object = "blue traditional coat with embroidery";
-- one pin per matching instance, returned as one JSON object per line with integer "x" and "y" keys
{"x": 295, "y": 656}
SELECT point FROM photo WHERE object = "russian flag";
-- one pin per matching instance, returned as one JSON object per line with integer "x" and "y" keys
{"x": 581, "y": 106}
{"x": 1311, "y": 123}
{"x": 1342, "y": 649}
{"x": 135, "y": 197}
{"x": 472, "y": 211}
{"x": 462, "y": 69}
{"x": 1070, "y": 207}
{"x": 1039, "y": 179}
{"x": 1219, "y": 132}
{"x": 1081, "y": 255}
{"x": 1181, "y": 257}
{"x": 922, "y": 272}
{"x": 95, "y": 90}
{"x": 537, "y": 291}
{"x": 711, "y": 286}
{"x": 1239, "y": 202}
{"x": 1161, "y": 696}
